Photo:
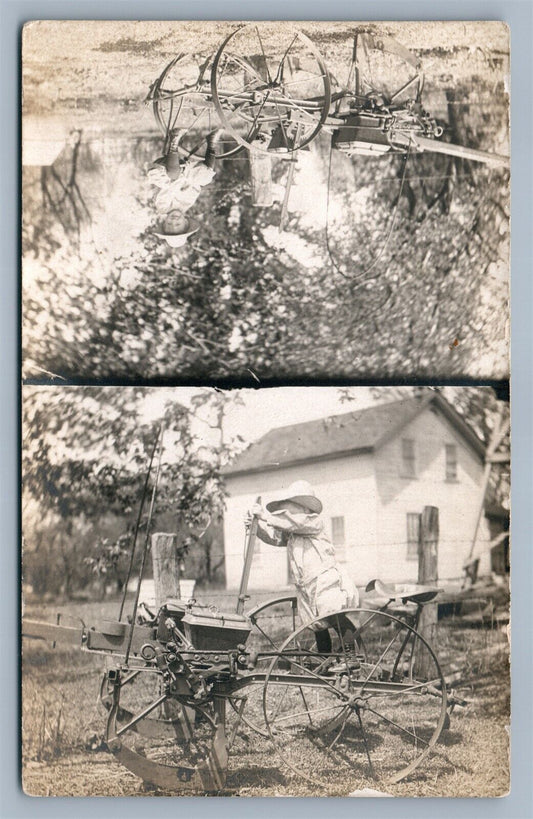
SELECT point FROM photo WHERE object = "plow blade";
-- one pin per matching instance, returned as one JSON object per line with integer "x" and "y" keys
{"x": 207, "y": 775}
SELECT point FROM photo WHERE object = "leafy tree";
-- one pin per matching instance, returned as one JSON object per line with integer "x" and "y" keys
{"x": 109, "y": 557}
{"x": 85, "y": 456}
{"x": 485, "y": 410}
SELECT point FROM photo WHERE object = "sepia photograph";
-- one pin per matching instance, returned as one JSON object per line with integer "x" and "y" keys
{"x": 298, "y": 591}
{"x": 247, "y": 202}
{"x": 265, "y": 540}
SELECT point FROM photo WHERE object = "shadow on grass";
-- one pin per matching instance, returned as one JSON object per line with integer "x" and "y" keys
{"x": 438, "y": 762}
{"x": 255, "y": 776}
{"x": 450, "y": 738}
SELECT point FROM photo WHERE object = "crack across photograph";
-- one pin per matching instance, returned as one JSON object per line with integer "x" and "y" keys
{"x": 312, "y": 200}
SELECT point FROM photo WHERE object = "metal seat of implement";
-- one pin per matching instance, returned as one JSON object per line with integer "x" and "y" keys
{"x": 404, "y": 592}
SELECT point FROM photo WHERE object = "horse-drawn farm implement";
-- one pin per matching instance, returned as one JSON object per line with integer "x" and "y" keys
{"x": 272, "y": 92}
{"x": 181, "y": 684}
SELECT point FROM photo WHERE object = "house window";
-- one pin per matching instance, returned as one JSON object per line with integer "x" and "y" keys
{"x": 408, "y": 458}
{"x": 451, "y": 462}
{"x": 413, "y": 534}
{"x": 338, "y": 537}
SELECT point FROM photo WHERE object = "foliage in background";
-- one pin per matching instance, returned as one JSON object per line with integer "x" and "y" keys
{"x": 404, "y": 282}
{"x": 108, "y": 561}
{"x": 86, "y": 453}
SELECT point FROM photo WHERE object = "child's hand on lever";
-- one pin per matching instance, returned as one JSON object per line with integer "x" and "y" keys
{"x": 257, "y": 511}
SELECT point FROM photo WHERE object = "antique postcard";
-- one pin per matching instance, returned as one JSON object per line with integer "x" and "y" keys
{"x": 265, "y": 503}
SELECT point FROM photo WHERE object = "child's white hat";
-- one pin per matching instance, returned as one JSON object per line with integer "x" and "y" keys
{"x": 299, "y": 492}
{"x": 180, "y": 239}
{"x": 176, "y": 239}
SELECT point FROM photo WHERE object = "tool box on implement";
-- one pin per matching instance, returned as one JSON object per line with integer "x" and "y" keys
{"x": 205, "y": 627}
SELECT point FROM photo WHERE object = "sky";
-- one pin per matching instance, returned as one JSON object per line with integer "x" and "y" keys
{"x": 277, "y": 407}
{"x": 264, "y": 409}
{"x": 268, "y": 408}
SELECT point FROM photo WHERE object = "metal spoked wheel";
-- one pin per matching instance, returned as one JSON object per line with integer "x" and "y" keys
{"x": 271, "y": 88}
{"x": 271, "y": 622}
{"x": 181, "y": 99}
{"x": 385, "y": 71}
{"x": 167, "y": 742}
{"x": 349, "y": 716}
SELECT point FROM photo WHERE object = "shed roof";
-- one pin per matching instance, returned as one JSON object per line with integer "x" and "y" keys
{"x": 338, "y": 435}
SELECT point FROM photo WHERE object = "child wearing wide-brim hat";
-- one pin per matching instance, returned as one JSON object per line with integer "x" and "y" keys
{"x": 179, "y": 182}
{"x": 322, "y": 585}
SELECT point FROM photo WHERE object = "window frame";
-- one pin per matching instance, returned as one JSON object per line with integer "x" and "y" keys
{"x": 448, "y": 476}
{"x": 408, "y": 467}
{"x": 412, "y": 553}
{"x": 338, "y": 545}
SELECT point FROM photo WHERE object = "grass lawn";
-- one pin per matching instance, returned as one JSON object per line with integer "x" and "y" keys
{"x": 63, "y": 724}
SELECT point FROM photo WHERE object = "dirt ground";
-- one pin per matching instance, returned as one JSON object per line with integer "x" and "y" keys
{"x": 119, "y": 60}
{"x": 63, "y": 722}
{"x": 96, "y": 74}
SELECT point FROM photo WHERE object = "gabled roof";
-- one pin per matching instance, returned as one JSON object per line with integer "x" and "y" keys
{"x": 361, "y": 431}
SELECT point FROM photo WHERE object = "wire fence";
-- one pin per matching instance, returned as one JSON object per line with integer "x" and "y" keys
{"x": 481, "y": 543}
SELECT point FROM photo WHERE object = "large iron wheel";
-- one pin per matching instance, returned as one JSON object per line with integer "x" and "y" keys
{"x": 270, "y": 87}
{"x": 350, "y": 716}
{"x": 181, "y": 99}
{"x": 271, "y": 622}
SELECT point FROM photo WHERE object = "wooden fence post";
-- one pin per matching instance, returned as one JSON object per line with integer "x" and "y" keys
{"x": 166, "y": 567}
{"x": 261, "y": 179}
{"x": 428, "y": 553}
